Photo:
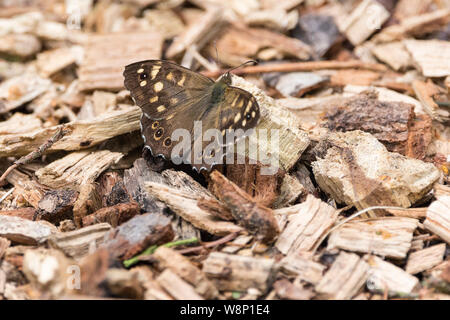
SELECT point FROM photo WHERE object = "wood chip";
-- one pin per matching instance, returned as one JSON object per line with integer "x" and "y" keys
{"x": 371, "y": 173}
{"x": 83, "y": 134}
{"x": 180, "y": 265}
{"x": 257, "y": 219}
{"x": 426, "y": 91}
{"x": 432, "y": 56}
{"x": 437, "y": 220}
{"x": 239, "y": 273}
{"x": 185, "y": 205}
{"x": 198, "y": 33}
{"x": 56, "y": 205}
{"x": 364, "y": 20}
{"x": 394, "y": 54}
{"x": 103, "y": 64}
{"x": 177, "y": 287}
{"x": 385, "y": 276}
{"x": 303, "y": 267}
{"x": 50, "y": 62}
{"x": 389, "y": 237}
{"x": 23, "y": 231}
{"x": 345, "y": 278}
{"x": 24, "y": 213}
{"x": 77, "y": 168}
{"x": 79, "y": 243}
{"x": 308, "y": 221}
{"x": 21, "y": 89}
{"x": 425, "y": 259}
{"x": 137, "y": 234}
{"x": 114, "y": 215}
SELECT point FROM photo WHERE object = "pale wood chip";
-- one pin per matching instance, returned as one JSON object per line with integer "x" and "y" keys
{"x": 438, "y": 218}
{"x": 311, "y": 220}
{"x": 77, "y": 168}
{"x": 387, "y": 276}
{"x": 425, "y": 259}
{"x": 345, "y": 278}
{"x": 177, "y": 287}
{"x": 390, "y": 236}
{"x": 431, "y": 56}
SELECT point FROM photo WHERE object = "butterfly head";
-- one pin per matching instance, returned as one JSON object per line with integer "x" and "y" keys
{"x": 226, "y": 78}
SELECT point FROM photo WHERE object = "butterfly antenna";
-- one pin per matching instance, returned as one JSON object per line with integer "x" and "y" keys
{"x": 247, "y": 62}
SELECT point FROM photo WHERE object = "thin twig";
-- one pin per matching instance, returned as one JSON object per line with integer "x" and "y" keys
{"x": 301, "y": 66}
{"x": 6, "y": 194}
{"x": 61, "y": 132}
{"x": 211, "y": 244}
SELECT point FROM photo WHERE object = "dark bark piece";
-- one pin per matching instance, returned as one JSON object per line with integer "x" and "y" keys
{"x": 388, "y": 121}
{"x": 263, "y": 188}
{"x": 215, "y": 208}
{"x": 24, "y": 213}
{"x": 111, "y": 189}
{"x": 319, "y": 31}
{"x": 257, "y": 219}
{"x": 419, "y": 137}
{"x": 137, "y": 234}
{"x": 56, "y": 205}
{"x": 114, "y": 215}
{"x": 134, "y": 181}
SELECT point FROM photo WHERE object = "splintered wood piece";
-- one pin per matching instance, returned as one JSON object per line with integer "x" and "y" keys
{"x": 438, "y": 219}
{"x": 257, "y": 219}
{"x": 356, "y": 169}
{"x": 137, "y": 234}
{"x": 56, "y": 205}
{"x": 394, "y": 54}
{"x": 79, "y": 243}
{"x": 425, "y": 259}
{"x": 441, "y": 190}
{"x": 135, "y": 179}
{"x": 389, "y": 122}
{"x": 431, "y": 56}
{"x": 77, "y": 168}
{"x": 106, "y": 56}
{"x": 239, "y": 273}
{"x": 239, "y": 44}
{"x": 414, "y": 26}
{"x": 285, "y": 150}
{"x": 364, "y": 20}
{"x": 82, "y": 134}
{"x": 303, "y": 267}
{"x": 20, "y": 123}
{"x": 4, "y": 244}
{"x": 237, "y": 244}
{"x": 198, "y": 33}
{"x": 353, "y": 77}
{"x": 426, "y": 91}
{"x": 21, "y": 89}
{"x": 177, "y": 287}
{"x": 390, "y": 236}
{"x": 46, "y": 270}
{"x": 24, "y": 213}
{"x": 290, "y": 190}
{"x": 385, "y": 276}
{"x": 184, "y": 204}
{"x": 20, "y": 45}
{"x": 124, "y": 283}
{"x": 416, "y": 213}
{"x": 180, "y": 265}
{"x": 114, "y": 215}
{"x": 23, "y": 231}
{"x": 309, "y": 221}
{"x": 345, "y": 278}
{"x": 52, "y": 61}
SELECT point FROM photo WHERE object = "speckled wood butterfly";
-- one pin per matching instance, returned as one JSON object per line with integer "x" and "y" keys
{"x": 172, "y": 97}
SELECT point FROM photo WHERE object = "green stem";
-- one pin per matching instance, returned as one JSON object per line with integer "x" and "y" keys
{"x": 150, "y": 250}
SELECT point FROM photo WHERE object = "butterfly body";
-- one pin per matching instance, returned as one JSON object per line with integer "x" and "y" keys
{"x": 172, "y": 97}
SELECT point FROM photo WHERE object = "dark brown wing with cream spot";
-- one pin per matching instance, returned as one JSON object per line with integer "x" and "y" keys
{"x": 162, "y": 88}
